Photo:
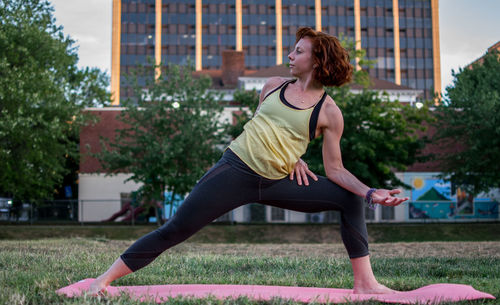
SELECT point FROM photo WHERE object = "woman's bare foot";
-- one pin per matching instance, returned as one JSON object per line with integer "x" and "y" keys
{"x": 373, "y": 289}
{"x": 117, "y": 270}
{"x": 97, "y": 287}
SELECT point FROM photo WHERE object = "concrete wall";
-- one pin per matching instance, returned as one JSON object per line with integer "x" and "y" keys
{"x": 99, "y": 195}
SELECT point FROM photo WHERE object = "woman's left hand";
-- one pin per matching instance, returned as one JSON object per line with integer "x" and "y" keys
{"x": 385, "y": 197}
{"x": 301, "y": 171}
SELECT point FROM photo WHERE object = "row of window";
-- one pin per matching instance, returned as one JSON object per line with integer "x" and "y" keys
{"x": 182, "y": 29}
{"x": 129, "y": 4}
{"x": 384, "y": 59}
{"x": 388, "y": 42}
{"x": 368, "y": 43}
{"x": 389, "y": 32}
{"x": 252, "y": 62}
{"x": 270, "y": 19}
{"x": 279, "y": 215}
{"x": 403, "y": 53}
{"x": 405, "y": 63}
{"x": 419, "y": 83}
{"x": 405, "y": 73}
{"x": 412, "y": 68}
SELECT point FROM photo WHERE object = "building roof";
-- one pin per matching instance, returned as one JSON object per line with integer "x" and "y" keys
{"x": 216, "y": 76}
{"x": 280, "y": 70}
{"x": 496, "y": 46}
{"x": 284, "y": 71}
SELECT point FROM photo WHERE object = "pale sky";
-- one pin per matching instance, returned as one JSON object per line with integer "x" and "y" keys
{"x": 467, "y": 29}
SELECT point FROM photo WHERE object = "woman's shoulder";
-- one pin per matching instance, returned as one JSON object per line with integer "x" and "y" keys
{"x": 331, "y": 107}
{"x": 330, "y": 113}
{"x": 272, "y": 83}
{"x": 275, "y": 81}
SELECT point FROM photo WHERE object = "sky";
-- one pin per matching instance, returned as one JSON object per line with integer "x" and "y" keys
{"x": 467, "y": 29}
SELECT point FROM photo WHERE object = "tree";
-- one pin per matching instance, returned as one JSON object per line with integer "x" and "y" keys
{"x": 173, "y": 132}
{"x": 248, "y": 100}
{"x": 469, "y": 115}
{"x": 42, "y": 93}
{"x": 379, "y": 138}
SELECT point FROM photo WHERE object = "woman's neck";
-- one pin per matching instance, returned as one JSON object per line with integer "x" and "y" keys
{"x": 308, "y": 83}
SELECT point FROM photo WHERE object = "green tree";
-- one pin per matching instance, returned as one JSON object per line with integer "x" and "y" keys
{"x": 173, "y": 134}
{"x": 248, "y": 100}
{"x": 379, "y": 138}
{"x": 469, "y": 116}
{"x": 42, "y": 93}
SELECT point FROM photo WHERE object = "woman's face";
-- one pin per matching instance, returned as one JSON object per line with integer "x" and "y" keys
{"x": 300, "y": 58}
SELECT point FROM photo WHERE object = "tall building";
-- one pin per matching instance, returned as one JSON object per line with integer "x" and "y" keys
{"x": 400, "y": 36}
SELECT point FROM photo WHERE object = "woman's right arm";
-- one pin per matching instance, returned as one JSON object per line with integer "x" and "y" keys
{"x": 334, "y": 168}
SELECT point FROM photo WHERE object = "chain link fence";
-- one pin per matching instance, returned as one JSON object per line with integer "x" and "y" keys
{"x": 122, "y": 211}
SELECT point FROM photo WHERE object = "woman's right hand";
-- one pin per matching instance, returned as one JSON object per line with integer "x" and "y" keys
{"x": 301, "y": 171}
{"x": 386, "y": 197}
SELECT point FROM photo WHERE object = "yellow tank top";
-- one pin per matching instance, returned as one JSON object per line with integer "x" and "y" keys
{"x": 276, "y": 137}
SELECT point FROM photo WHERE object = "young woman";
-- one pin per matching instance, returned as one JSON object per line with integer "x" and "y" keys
{"x": 255, "y": 166}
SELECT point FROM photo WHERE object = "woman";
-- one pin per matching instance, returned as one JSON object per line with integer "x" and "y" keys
{"x": 255, "y": 165}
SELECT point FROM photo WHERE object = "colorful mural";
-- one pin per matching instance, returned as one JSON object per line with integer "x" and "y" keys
{"x": 433, "y": 198}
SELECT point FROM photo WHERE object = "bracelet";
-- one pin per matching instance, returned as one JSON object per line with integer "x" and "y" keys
{"x": 369, "y": 199}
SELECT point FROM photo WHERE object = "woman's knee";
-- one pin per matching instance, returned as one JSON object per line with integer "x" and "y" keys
{"x": 173, "y": 230}
{"x": 356, "y": 204}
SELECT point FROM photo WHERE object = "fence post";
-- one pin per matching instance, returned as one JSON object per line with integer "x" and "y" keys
{"x": 132, "y": 214}
{"x": 31, "y": 213}
{"x": 81, "y": 202}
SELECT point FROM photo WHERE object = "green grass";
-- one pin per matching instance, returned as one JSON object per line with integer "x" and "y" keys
{"x": 31, "y": 270}
{"x": 260, "y": 233}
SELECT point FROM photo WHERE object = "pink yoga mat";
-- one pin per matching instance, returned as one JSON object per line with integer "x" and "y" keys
{"x": 426, "y": 295}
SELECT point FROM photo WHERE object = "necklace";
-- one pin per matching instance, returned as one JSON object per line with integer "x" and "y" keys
{"x": 303, "y": 101}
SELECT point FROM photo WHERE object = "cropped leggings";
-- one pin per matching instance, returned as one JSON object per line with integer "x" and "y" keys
{"x": 231, "y": 183}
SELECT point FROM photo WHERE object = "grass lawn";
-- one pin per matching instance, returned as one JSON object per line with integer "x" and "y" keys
{"x": 31, "y": 270}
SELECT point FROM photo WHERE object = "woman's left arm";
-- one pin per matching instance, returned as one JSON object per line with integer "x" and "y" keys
{"x": 332, "y": 160}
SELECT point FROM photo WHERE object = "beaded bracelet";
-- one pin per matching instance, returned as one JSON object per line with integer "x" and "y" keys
{"x": 369, "y": 199}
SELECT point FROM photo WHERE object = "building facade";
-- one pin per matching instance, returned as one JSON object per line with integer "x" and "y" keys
{"x": 400, "y": 36}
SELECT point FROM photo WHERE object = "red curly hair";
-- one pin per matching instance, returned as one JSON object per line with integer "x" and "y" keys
{"x": 332, "y": 60}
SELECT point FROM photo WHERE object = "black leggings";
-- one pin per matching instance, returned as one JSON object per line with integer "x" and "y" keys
{"x": 230, "y": 184}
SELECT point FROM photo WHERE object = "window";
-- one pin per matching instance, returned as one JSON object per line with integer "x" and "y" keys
{"x": 277, "y": 214}
{"x": 369, "y": 214}
{"x": 257, "y": 212}
{"x": 222, "y": 8}
{"x": 253, "y": 9}
{"x": 418, "y": 33}
{"x": 212, "y": 8}
{"x": 182, "y": 8}
{"x": 332, "y": 217}
{"x": 262, "y": 9}
{"x": 142, "y": 8}
{"x": 212, "y": 29}
{"x": 224, "y": 217}
{"x": 387, "y": 213}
